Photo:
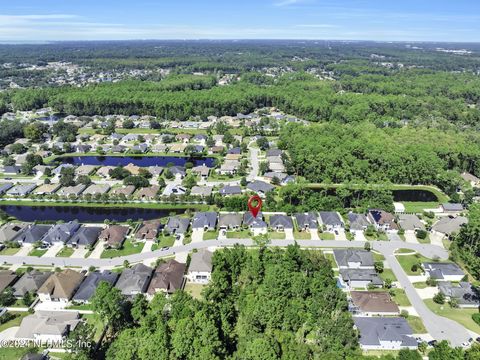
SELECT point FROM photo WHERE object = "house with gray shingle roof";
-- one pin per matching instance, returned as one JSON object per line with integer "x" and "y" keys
{"x": 4, "y": 187}
{"x": 134, "y": 280}
{"x": 385, "y": 333}
{"x": 443, "y": 271}
{"x": 306, "y": 221}
{"x": 353, "y": 259}
{"x": 21, "y": 189}
{"x": 229, "y": 190}
{"x": 71, "y": 190}
{"x": 200, "y": 269}
{"x": 30, "y": 282}
{"x": 10, "y": 231}
{"x": 280, "y": 222}
{"x": 205, "y": 220}
{"x": 358, "y": 222}
{"x": 95, "y": 189}
{"x": 232, "y": 221}
{"x": 467, "y": 295}
{"x": 410, "y": 222}
{"x": 89, "y": 285}
{"x": 32, "y": 234}
{"x": 47, "y": 326}
{"x": 449, "y": 225}
{"x": 177, "y": 225}
{"x": 60, "y": 233}
{"x": 360, "y": 278}
{"x": 260, "y": 187}
{"x": 201, "y": 191}
{"x": 256, "y": 224}
{"x": 86, "y": 236}
{"x": 331, "y": 220}
{"x": 452, "y": 208}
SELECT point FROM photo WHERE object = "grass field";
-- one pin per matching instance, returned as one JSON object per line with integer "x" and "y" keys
{"x": 65, "y": 252}
{"x": 9, "y": 251}
{"x": 194, "y": 289}
{"x": 424, "y": 241}
{"x": 420, "y": 285}
{"x": 388, "y": 274}
{"x": 326, "y": 236}
{"x": 128, "y": 248}
{"x": 417, "y": 324}
{"x": 462, "y": 316}
{"x": 165, "y": 240}
{"x": 400, "y": 297}
{"x": 243, "y": 234}
{"x": 37, "y": 252}
{"x": 302, "y": 235}
{"x": 210, "y": 235}
{"x": 278, "y": 235}
{"x": 12, "y": 353}
{"x": 15, "y": 321}
{"x": 419, "y": 207}
{"x": 95, "y": 321}
{"x": 407, "y": 261}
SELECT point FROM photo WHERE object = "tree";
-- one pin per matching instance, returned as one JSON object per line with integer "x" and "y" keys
{"x": 262, "y": 143}
{"x": 119, "y": 173}
{"x": 422, "y": 347}
{"x": 27, "y": 298}
{"x": 168, "y": 174}
{"x": 139, "y": 307}
{"x": 406, "y": 354}
{"x": 84, "y": 180}
{"x": 110, "y": 305}
{"x": 189, "y": 181}
{"x": 263, "y": 167}
{"x": 137, "y": 181}
{"x": 367, "y": 246}
{"x": 6, "y": 297}
{"x": 67, "y": 176}
{"x": 35, "y": 131}
{"x": 81, "y": 341}
{"x": 128, "y": 124}
{"x": 379, "y": 266}
{"x": 442, "y": 351}
{"x": 439, "y": 298}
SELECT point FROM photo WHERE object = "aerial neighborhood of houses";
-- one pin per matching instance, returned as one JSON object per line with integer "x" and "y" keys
{"x": 144, "y": 209}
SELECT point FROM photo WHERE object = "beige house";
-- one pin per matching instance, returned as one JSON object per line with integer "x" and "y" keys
{"x": 60, "y": 286}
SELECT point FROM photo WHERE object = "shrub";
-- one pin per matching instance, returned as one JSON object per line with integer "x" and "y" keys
{"x": 439, "y": 298}
{"x": 431, "y": 282}
{"x": 476, "y": 318}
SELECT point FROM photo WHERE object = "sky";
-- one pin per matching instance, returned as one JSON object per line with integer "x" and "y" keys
{"x": 382, "y": 20}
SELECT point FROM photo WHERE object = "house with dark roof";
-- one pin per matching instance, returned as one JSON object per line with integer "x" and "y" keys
{"x": 7, "y": 278}
{"x": 30, "y": 282}
{"x": 12, "y": 170}
{"x": 410, "y": 222}
{"x": 205, "y": 220}
{"x": 167, "y": 278}
{"x": 382, "y": 220}
{"x": 177, "y": 225}
{"x": 32, "y": 233}
{"x": 260, "y": 187}
{"x": 148, "y": 230}
{"x": 200, "y": 269}
{"x": 231, "y": 221}
{"x": 178, "y": 171}
{"x": 229, "y": 190}
{"x": 86, "y": 236}
{"x": 47, "y": 326}
{"x": 134, "y": 280}
{"x": 331, "y": 220}
{"x": 360, "y": 278}
{"x": 353, "y": 259}
{"x": 385, "y": 333}
{"x": 60, "y": 233}
{"x": 256, "y": 224}
{"x": 89, "y": 285}
{"x": 21, "y": 189}
{"x": 452, "y": 208}
{"x": 449, "y": 226}
{"x": 443, "y": 271}
{"x": 466, "y": 295}
{"x": 4, "y": 187}
{"x": 358, "y": 222}
{"x": 280, "y": 222}
{"x": 10, "y": 231}
{"x": 372, "y": 303}
{"x": 306, "y": 221}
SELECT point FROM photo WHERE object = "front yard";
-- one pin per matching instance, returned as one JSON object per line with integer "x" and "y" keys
{"x": 400, "y": 297}
{"x": 37, "y": 252}
{"x": 277, "y": 235}
{"x": 65, "y": 252}
{"x": 242, "y": 234}
{"x": 15, "y": 321}
{"x": 210, "y": 235}
{"x": 9, "y": 251}
{"x": 326, "y": 236}
{"x": 302, "y": 235}
{"x": 462, "y": 316}
{"x": 416, "y": 324}
{"x": 129, "y": 248}
{"x": 408, "y": 261}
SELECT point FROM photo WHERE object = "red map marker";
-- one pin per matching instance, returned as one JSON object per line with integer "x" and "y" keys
{"x": 255, "y": 205}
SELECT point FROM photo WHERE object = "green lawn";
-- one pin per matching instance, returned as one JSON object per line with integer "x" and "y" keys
{"x": 326, "y": 236}
{"x": 418, "y": 207}
{"x": 407, "y": 261}
{"x": 278, "y": 235}
{"x": 462, "y": 316}
{"x": 210, "y": 235}
{"x": 94, "y": 320}
{"x": 194, "y": 289}
{"x": 377, "y": 256}
{"x": 388, "y": 274}
{"x": 302, "y": 235}
{"x": 404, "y": 251}
{"x": 420, "y": 285}
{"x": 128, "y": 248}
{"x": 37, "y": 252}
{"x": 400, "y": 297}
{"x": 65, "y": 252}
{"x": 243, "y": 234}
{"x": 12, "y": 353}
{"x": 15, "y": 321}
{"x": 80, "y": 307}
{"x": 424, "y": 241}
{"x": 164, "y": 241}
{"x": 416, "y": 324}
{"x": 9, "y": 251}
{"x": 331, "y": 258}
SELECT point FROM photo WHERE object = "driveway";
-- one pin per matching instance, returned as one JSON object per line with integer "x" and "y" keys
{"x": 50, "y": 305}
{"x": 9, "y": 334}
{"x": 148, "y": 246}
{"x": 53, "y": 250}
{"x": 24, "y": 250}
{"x": 197, "y": 235}
{"x": 359, "y": 236}
{"x": 410, "y": 237}
{"x": 80, "y": 252}
{"x": 253, "y": 162}
{"x": 314, "y": 234}
{"x": 341, "y": 236}
{"x": 97, "y": 251}
{"x": 436, "y": 238}
{"x": 393, "y": 237}
{"x": 289, "y": 234}
{"x": 428, "y": 293}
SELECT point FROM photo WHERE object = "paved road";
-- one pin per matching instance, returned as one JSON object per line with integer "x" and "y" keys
{"x": 439, "y": 327}
{"x": 253, "y": 162}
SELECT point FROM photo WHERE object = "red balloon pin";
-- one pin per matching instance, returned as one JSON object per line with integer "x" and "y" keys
{"x": 255, "y": 205}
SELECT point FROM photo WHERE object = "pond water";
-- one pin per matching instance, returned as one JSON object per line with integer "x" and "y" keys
{"x": 414, "y": 195}
{"x": 83, "y": 214}
{"x": 142, "y": 161}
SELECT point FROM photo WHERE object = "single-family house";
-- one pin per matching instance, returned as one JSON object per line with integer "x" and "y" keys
{"x": 232, "y": 221}
{"x": 205, "y": 220}
{"x": 30, "y": 282}
{"x": 174, "y": 189}
{"x": 178, "y": 171}
{"x": 75, "y": 190}
{"x": 86, "y": 236}
{"x": 452, "y": 208}
{"x": 202, "y": 191}
{"x": 466, "y": 295}
{"x": 358, "y": 222}
{"x": 353, "y": 259}
{"x": 125, "y": 190}
{"x": 230, "y": 190}
{"x": 443, "y": 271}
{"x": 21, "y": 189}
{"x": 114, "y": 235}
{"x": 97, "y": 189}
{"x": 382, "y": 220}
{"x": 133, "y": 169}
{"x": 134, "y": 280}
{"x": 88, "y": 286}
{"x": 331, "y": 220}
{"x": 260, "y": 187}
{"x": 10, "y": 231}
{"x": 279, "y": 222}
{"x": 4, "y": 187}
{"x": 148, "y": 193}
{"x": 385, "y": 333}
{"x": 372, "y": 303}
{"x": 148, "y": 230}
{"x": 360, "y": 278}
{"x": 47, "y": 326}
{"x": 46, "y": 189}
{"x": 60, "y": 286}
{"x": 104, "y": 171}
{"x": 12, "y": 169}
{"x": 470, "y": 178}
{"x": 7, "y": 278}
{"x": 177, "y": 225}
{"x": 60, "y": 233}
{"x": 410, "y": 222}
{"x": 256, "y": 224}
{"x": 85, "y": 170}
{"x": 449, "y": 226}
{"x": 167, "y": 278}
{"x": 201, "y": 170}
{"x": 32, "y": 234}
{"x": 306, "y": 221}
{"x": 200, "y": 269}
